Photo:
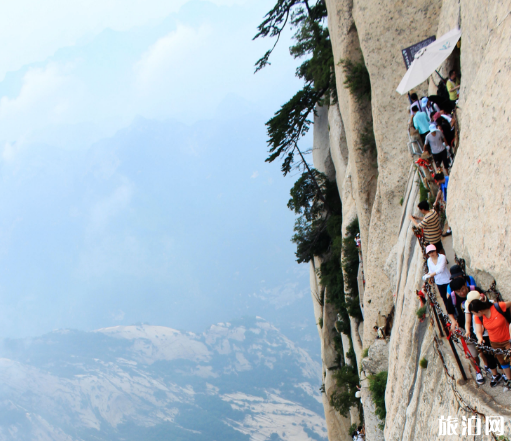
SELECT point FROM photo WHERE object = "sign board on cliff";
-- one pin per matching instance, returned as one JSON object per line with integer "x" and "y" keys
{"x": 409, "y": 52}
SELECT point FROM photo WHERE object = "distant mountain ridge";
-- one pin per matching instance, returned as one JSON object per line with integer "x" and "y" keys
{"x": 236, "y": 381}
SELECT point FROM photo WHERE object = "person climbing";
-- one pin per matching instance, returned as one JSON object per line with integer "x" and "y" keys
{"x": 457, "y": 273}
{"x": 414, "y": 99}
{"x": 437, "y": 268}
{"x": 491, "y": 316}
{"x": 430, "y": 224}
{"x": 435, "y": 139}
{"x": 358, "y": 434}
{"x": 380, "y": 332}
{"x": 442, "y": 181}
{"x": 429, "y": 106}
{"x": 490, "y": 362}
{"x": 458, "y": 296}
{"x": 453, "y": 85}
{"x": 420, "y": 121}
{"x": 441, "y": 102}
{"x": 445, "y": 124}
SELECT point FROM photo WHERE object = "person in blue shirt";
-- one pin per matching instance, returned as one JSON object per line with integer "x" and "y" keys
{"x": 442, "y": 181}
{"x": 420, "y": 121}
{"x": 456, "y": 272}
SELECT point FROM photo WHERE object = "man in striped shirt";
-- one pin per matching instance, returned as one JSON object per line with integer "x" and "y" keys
{"x": 430, "y": 224}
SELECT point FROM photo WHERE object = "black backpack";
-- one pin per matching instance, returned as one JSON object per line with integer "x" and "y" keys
{"x": 442, "y": 102}
{"x": 506, "y": 314}
{"x": 442, "y": 90}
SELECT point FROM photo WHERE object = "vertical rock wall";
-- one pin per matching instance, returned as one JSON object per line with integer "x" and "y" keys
{"x": 479, "y": 194}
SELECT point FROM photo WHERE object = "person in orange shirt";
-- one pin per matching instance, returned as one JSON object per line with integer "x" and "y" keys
{"x": 491, "y": 316}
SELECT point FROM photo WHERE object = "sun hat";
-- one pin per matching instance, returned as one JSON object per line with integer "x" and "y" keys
{"x": 456, "y": 271}
{"x": 430, "y": 248}
{"x": 432, "y": 128}
{"x": 472, "y": 295}
{"x": 424, "y": 101}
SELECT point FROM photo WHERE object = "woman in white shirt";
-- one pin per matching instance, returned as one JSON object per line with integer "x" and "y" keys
{"x": 437, "y": 267}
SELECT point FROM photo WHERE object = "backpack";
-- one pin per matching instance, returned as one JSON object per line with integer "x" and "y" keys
{"x": 442, "y": 90}
{"x": 506, "y": 314}
{"x": 471, "y": 285}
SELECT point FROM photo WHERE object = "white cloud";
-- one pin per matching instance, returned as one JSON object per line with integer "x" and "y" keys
{"x": 185, "y": 72}
{"x": 34, "y": 30}
{"x": 48, "y": 95}
{"x": 255, "y": 175}
{"x": 170, "y": 53}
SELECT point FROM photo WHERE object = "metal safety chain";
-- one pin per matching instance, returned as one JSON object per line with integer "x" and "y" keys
{"x": 454, "y": 335}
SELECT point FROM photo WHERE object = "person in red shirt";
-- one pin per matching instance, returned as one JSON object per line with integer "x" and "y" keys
{"x": 494, "y": 321}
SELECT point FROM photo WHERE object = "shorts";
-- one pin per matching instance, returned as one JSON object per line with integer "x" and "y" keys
{"x": 492, "y": 361}
{"x": 501, "y": 345}
{"x": 441, "y": 158}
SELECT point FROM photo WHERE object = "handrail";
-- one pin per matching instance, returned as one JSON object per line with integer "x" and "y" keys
{"x": 413, "y": 142}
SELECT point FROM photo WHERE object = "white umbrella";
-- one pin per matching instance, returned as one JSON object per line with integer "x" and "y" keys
{"x": 428, "y": 59}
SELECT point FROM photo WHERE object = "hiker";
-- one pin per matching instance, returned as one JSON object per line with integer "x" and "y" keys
{"x": 453, "y": 86}
{"x": 445, "y": 124}
{"x": 492, "y": 317}
{"x": 457, "y": 272}
{"x": 420, "y": 121}
{"x": 435, "y": 139}
{"x": 461, "y": 318}
{"x": 380, "y": 332}
{"x": 357, "y": 240}
{"x": 442, "y": 181}
{"x": 490, "y": 362}
{"x": 359, "y": 434}
{"x": 458, "y": 296}
{"x": 429, "y": 106}
{"x": 430, "y": 224}
{"x": 415, "y": 102}
{"x": 437, "y": 268}
{"x": 441, "y": 103}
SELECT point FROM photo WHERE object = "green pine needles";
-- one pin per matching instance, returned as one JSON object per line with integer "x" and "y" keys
{"x": 314, "y": 199}
{"x": 347, "y": 380}
{"x": 350, "y": 263}
{"x": 312, "y": 41}
{"x": 357, "y": 79}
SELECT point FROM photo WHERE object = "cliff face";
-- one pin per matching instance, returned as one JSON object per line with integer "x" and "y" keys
{"x": 478, "y": 210}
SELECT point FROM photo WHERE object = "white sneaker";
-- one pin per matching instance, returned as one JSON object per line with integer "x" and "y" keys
{"x": 479, "y": 378}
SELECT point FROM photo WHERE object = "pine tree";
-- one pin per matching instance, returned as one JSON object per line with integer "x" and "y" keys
{"x": 312, "y": 40}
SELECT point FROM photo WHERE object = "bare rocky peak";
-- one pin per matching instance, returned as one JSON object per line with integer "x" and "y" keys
{"x": 236, "y": 381}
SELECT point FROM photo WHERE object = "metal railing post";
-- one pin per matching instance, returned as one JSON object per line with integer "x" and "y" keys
{"x": 457, "y": 357}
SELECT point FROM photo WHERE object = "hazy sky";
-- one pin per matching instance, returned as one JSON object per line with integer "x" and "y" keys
{"x": 133, "y": 183}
